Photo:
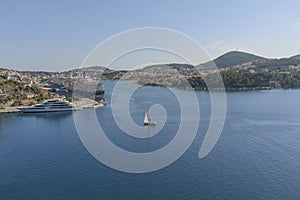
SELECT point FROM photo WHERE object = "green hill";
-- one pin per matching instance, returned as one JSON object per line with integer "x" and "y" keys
{"x": 296, "y": 57}
{"x": 278, "y": 64}
{"x": 231, "y": 59}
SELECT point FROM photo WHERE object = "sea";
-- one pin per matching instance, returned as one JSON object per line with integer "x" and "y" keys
{"x": 257, "y": 156}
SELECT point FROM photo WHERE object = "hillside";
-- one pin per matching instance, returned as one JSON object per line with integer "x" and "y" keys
{"x": 231, "y": 59}
{"x": 296, "y": 57}
{"x": 278, "y": 64}
{"x": 243, "y": 70}
{"x": 13, "y": 92}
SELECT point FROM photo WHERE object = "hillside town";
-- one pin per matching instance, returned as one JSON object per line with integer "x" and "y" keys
{"x": 28, "y": 88}
{"x": 237, "y": 70}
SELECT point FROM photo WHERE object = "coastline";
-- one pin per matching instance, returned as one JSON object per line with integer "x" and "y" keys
{"x": 9, "y": 109}
{"x": 85, "y": 103}
{"x": 216, "y": 89}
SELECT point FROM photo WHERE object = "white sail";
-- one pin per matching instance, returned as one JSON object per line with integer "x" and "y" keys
{"x": 146, "y": 120}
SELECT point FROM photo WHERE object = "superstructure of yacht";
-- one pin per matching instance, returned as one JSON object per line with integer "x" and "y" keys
{"x": 53, "y": 105}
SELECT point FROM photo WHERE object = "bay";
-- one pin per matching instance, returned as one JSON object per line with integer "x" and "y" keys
{"x": 256, "y": 157}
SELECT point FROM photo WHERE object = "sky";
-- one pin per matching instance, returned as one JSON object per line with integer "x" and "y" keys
{"x": 59, "y": 35}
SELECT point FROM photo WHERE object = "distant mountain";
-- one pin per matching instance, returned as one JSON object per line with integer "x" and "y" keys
{"x": 230, "y": 59}
{"x": 296, "y": 57}
{"x": 92, "y": 68}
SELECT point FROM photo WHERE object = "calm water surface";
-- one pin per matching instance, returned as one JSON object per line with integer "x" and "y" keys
{"x": 256, "y": 157}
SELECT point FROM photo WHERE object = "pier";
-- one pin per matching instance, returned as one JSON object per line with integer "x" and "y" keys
{"x": 9, "y": 110}
{"x": 84, "y": 103}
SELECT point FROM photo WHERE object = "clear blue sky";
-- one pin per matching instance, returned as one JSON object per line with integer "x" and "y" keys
{"x": 57, "y": 35}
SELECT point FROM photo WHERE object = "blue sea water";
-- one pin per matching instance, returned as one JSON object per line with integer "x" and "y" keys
{"x": 257, "y": 155}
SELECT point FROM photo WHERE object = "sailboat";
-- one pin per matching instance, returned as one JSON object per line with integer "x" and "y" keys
{"x": 148, "y": 121}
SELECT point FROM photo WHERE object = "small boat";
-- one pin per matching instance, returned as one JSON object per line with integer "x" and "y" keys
{"x": 148, "y": 121}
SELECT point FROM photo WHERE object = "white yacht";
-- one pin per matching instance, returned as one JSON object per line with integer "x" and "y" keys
{"x": 53, "y": 105}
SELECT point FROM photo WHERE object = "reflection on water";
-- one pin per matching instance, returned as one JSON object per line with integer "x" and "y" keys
{"x": 49, "y": 115}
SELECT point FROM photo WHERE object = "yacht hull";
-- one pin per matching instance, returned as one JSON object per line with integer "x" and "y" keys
{"x": 53, "y": 105}
{"x": 30, "y": 110}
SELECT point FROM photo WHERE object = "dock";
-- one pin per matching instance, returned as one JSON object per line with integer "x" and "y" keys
{"x": 9, "y": 110}
{"x": 87, "y": 103}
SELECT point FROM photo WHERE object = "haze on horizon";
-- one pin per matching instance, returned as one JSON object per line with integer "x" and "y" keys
{"x": 58, "y": 35}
